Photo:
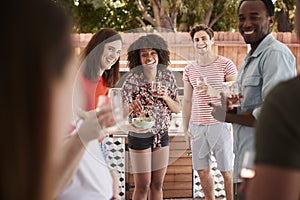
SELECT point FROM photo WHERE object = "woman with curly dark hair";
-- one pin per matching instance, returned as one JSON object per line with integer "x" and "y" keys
{"x": 148, "y": 59}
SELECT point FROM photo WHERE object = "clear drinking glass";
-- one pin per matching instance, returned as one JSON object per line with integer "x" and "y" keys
{"x": 236, "y": 91}
{"x": 155, "y": 86}
{"x": 119, "y": 108}
{"x": 202, "y": 84}
{"x": 248, "y": 170}
{"x": 232, "y": 91}
{"x": 227, "y": 88}
{"x": 102, "y": 101}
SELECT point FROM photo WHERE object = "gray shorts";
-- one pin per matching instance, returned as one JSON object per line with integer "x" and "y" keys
{"x": 216, "y": 139}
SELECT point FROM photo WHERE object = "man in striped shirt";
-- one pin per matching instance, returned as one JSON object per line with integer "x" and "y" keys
{"x": 203, "y": 80}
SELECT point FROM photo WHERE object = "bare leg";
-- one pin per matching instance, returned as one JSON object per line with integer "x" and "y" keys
{"x": 160, "y": 159}
{"x": 141, "y": 169}
{"x": 207, "y": 183}
{"x": 228, "y": 184}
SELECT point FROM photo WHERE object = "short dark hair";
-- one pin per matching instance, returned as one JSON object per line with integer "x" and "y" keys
{"x": 202, "y": 27}
{"x": 268, "y": 3}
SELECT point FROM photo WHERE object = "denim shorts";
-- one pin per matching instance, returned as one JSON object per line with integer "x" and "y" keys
{"x": 142, "y": 141}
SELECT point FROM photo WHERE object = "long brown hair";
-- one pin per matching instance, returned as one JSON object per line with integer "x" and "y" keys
{"x": 91, "y": 54}
{"x": 37, "y": 46}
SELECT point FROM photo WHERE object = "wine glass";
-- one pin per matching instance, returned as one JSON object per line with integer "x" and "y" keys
{"x": 102, "y": 101}
{"x": 155, "y": 86}
{"x": 232, "y": 90}
{"x": 227, "y": 88}
{"x": 202, "y": 84}
{"x": 120, "y": 109}
{"x": 236, "y": 91}
{"x": 248, "y": 171}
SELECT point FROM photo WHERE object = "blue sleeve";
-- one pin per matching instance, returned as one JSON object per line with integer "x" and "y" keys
{"x": 276, "y": 66}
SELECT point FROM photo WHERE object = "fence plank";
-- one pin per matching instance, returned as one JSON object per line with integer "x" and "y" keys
{"x": 228, "y": 44}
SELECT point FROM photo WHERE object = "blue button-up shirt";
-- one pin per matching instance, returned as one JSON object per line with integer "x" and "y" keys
{"x": 269, "y": 64}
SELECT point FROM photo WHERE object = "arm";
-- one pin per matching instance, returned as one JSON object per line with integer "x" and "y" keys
{"x": 231, "y": 78}
{"x": 225, "y": 113}
{"x": 172, "y": 104}
{"x": 170, "y": 96}
{"x": 72, "y": 153}
{"x": 186, "y": 110}
{"x": 231, "y": 116}
{"x": 211, "y": 91}
{"x": 271, "y": 77}
{"x": 246, "y": 119}
{"x": 74, "y": 148}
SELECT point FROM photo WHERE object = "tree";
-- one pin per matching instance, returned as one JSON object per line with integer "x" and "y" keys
{"x": 164, "y": 13}
{"x": 284, "y": 15}
{"x": 91, "y": 15}
{"x": 170, "y": 15}
{"x": 218, "y": 14}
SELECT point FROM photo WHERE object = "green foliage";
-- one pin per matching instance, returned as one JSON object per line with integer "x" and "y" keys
{"x": 124, "y": 15}
{"x": 288, "y": 7}
{"x": 195, "y": 11}
{"x": 91, "y": 15}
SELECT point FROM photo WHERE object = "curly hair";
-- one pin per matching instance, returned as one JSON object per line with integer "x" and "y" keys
{"x": 151, "y": 41}
{"x": 90, "y": 57}
{"x": 202, "y": 27}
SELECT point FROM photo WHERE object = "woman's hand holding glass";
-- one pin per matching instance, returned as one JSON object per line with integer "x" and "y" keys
{"x": 155, "y": 88}
{"x": 163, "y": 92}
{"x": 92, "y": 123}
{"x": 159, "y": 90}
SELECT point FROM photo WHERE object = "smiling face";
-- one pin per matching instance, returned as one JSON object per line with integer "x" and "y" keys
{"x": 111, "y": 54}
{"x": 254, "y": 23}
{"x": 149, "y": 58}
{"x": 202, "y": 42}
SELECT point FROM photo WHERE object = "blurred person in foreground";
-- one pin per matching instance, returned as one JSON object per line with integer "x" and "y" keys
{"x": 277, "y": 162}
{"x": 37, "y": 107}
{"x": 35, "y": 88}
{"x": 268, "y": 63}
{"x": 206, "y": 135}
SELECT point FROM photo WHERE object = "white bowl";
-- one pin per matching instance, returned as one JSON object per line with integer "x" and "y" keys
{"x": 143, "y": 122}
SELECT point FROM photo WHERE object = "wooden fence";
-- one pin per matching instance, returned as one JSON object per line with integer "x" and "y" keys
{"x": 228, "y": 44}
